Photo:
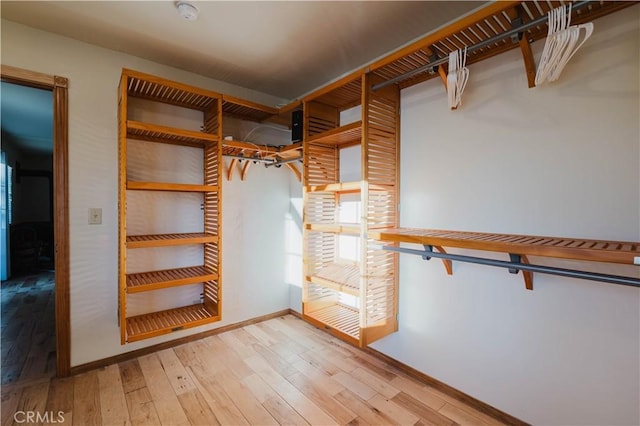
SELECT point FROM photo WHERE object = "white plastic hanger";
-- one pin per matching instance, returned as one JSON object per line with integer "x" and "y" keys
{"x": 572, "y": 47}
{"x": 457, "y": 77}
{"x": 559, "y": 20}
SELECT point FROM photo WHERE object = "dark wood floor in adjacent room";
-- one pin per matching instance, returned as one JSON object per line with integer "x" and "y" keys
{"x": 28, "y": 342}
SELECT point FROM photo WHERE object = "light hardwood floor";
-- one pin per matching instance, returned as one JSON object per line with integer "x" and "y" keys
{"x": 280, "y": 371}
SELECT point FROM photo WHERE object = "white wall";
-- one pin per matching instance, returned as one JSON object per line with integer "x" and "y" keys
{"x": 562, "y": 160}
{"x": 253, "y": 211}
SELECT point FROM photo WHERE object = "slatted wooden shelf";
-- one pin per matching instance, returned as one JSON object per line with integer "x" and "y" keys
{"x": 337, "y": 228}
{"x": 566, "y": 248}
{"x": 155, "y": 280}
{"x": 339, "y": 188}
{"x": 246, "y": 110}
{"x": 251, "y": 150}
{"x": 342, "y": 94}
{"x": 288, "y": 152}
{"x": 488, "y": 22}
{"x": 346, "y": 187}
{"x": 158, "y": 323}
{"x": 349, "y": 134}
{"x": 169, "y": 135}
{"x": 164, "y": 240}
{"x": 175, "y": 187}
{"x": 157, "y": 89}
{"x": 343, "y": 320}
{"x": 342, "y": 277}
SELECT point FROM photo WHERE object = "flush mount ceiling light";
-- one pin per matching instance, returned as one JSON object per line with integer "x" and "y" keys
{"x": 187, "y": 10}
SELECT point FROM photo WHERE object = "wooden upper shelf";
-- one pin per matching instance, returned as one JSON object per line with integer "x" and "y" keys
{"x": 158, "y": 89}
{"x": 246, "y": 110}
{"x": 349, "y": 134}
{"x": 342, "y": 94}
{"x": 567, "y": 248}
{"x": 482, "y": 25}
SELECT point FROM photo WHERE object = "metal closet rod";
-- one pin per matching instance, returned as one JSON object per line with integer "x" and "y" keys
{"x": 572, "y": 273}
{"x": 480, "y": 45}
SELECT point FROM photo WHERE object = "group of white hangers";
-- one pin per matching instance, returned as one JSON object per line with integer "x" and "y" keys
{"x": 561, "y": 44}
{"x": 563, "y": 41}
{"x": 457, "y": 77}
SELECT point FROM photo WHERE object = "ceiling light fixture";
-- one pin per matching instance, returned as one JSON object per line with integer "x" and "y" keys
{"x": 187, "y": 10}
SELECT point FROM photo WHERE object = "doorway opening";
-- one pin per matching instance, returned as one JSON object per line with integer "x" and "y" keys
{"x": 34, "y": 263}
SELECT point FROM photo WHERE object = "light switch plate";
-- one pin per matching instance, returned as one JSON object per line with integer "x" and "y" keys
{"x": 95, "y": 216}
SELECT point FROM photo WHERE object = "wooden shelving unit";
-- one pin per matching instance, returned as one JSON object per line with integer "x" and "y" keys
{"x": 354, "y": 300}
{"x": 209, "y": 106}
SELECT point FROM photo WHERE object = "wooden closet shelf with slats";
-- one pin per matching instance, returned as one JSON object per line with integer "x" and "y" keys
{"x": 251, "y": 150}
{"x": 338, "y": 319}
{"x": 518, "y": 247}
{"x": 349, "y": 134}
{"x": 343, "y": 228}
{"x": 155, "y": 280}
{"x": 341, "y": 277}
{"x": 173, "y": 187}
{"x": 169, "y": 135}
{"x": 162, "y": 240}
{"x": 566, "y": 248}
{"x": 158, "y": 323}
{"x": 347, "y": 187}
{"x": 147, "y": 86}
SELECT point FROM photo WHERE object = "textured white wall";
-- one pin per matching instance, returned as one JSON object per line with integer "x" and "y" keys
{"x": 560, "y": 160}
{"x": 253, "y": 211}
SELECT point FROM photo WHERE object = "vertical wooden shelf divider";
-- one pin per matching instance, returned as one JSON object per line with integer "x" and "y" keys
{"x": 152, "y": 324}
{"x": 356, "y": 301}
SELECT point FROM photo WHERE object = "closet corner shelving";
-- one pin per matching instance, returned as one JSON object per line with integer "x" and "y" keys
{"x": 244, "y": 153}
{"x": 208, "y": 106}
{"x": 354, "y": 298}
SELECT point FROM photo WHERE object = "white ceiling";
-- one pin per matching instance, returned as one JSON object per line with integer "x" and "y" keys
{"x": 285, "y": 48}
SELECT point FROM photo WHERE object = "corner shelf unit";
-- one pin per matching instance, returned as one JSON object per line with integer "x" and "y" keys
{"x": 356, "y": 300}
{"x": 208, "y": 105}
{"x": 244, "y": 153}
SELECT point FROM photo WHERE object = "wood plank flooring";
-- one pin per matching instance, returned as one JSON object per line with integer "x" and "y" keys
{"x": 280, "y": 371}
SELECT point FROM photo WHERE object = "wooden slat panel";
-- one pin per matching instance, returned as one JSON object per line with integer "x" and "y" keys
{"x": 320, "y": 165}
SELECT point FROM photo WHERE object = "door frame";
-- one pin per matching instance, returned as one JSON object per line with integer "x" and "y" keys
{"x": 58, "y": 85}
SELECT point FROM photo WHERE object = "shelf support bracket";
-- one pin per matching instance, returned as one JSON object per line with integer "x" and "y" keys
{"x": 515, "y": 15}
{"x": 232, "y": 165}
{"x": 518, "y": 259}
{"x": 440, "y": 69}
{"x": 448, "y": 264}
